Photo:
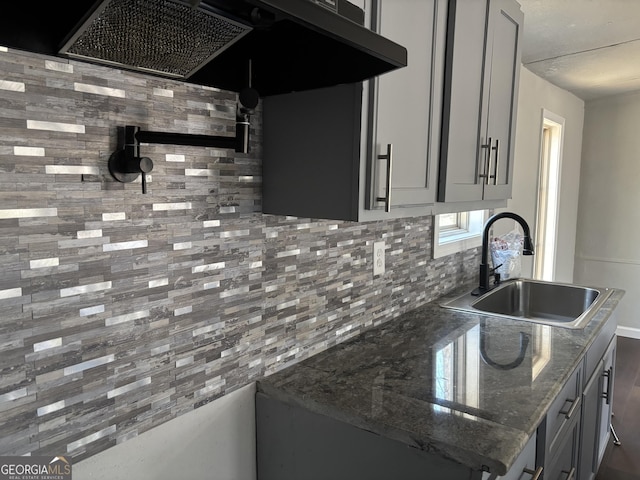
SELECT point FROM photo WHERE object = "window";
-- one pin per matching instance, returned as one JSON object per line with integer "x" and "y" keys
{"x": 456, "y": 232}
{"x": 546, "y": 231}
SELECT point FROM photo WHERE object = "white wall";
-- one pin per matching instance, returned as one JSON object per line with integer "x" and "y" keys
{"x": 216, "y": 441}
{"x": 536, "y": 94}
{"x": 607, "y": 252}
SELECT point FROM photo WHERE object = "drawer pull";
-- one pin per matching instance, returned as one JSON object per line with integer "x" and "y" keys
{"x": 570, "y": 474}
{"x": 535, "y": 474}
{"x": 574, "y": 405}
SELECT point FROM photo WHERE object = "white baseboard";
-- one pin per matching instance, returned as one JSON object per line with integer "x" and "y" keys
{"x": 628, "y": 332}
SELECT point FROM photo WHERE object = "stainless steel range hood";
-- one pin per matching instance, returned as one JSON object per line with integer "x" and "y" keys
{"x": 284, "y": 45}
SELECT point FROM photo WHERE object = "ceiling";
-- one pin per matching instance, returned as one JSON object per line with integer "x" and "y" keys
{"x": 588, "y": 47}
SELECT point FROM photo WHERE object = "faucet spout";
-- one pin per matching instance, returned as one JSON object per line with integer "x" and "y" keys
{"x": 527, "y": 248}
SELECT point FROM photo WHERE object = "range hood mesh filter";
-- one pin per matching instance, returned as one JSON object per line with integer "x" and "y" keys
{"x": 161, "y": 36}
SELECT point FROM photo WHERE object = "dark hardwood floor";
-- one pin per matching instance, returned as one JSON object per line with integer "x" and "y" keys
{"x": 623, "y": 462}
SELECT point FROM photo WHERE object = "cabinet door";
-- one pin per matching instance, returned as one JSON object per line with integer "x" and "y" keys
{"x": 460, "y": 159}
{"x": 311, "y": 152}
{"x": 480, "y": 100}
{"x": 598, "y": 401}
{"x": 606, "y": 400}
{"x": 406, "y": 103}
{"x": 505, "y": 30}
{"x": 590, "y": 425}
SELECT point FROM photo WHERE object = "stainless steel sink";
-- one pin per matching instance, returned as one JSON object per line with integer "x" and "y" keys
{"x": 549, "y": 303}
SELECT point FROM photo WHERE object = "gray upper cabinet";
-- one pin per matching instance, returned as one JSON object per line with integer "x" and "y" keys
{"x": 480, "y": 100}
{"x": 326, "y": 151}
{"x": 406, "y": 106}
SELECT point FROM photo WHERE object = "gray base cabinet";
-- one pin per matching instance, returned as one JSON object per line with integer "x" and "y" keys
{"x": 296, "y": 444}
{"x": 597, "y": 408}
{"x": 572, "y": 440}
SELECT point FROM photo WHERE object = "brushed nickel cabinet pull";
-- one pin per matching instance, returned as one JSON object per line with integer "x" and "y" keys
{"x": 535, "y": 474}
{"x": 570, "y": 474}
{"x": 495, "y": 166}
{"x": 487, "y": 161}
{"x": 389, "y": 158}
{"x": 574, "y": 405}
{"x": 608, "y": 374}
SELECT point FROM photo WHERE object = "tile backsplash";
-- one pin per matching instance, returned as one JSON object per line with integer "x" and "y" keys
{"x": 121, "y": 311}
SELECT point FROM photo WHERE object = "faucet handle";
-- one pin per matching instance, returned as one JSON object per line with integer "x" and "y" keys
{"x": 126, "y": 168}
{"x": 495, "y": 274}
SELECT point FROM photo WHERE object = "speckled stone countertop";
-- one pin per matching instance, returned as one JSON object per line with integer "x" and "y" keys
{"x": 444, "y": 381}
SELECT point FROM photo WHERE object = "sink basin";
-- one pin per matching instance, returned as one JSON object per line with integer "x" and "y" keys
{"x": 549, "y": 303}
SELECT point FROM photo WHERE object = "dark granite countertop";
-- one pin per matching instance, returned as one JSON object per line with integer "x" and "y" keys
{"x": 443, "y": 380}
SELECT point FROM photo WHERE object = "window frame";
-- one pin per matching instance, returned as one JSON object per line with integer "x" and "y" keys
{"x": 467, "y": 235}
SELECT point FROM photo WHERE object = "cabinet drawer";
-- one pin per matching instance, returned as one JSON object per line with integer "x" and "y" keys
{"x": 564, "y": 409}
{"x": 563, "y": 465}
